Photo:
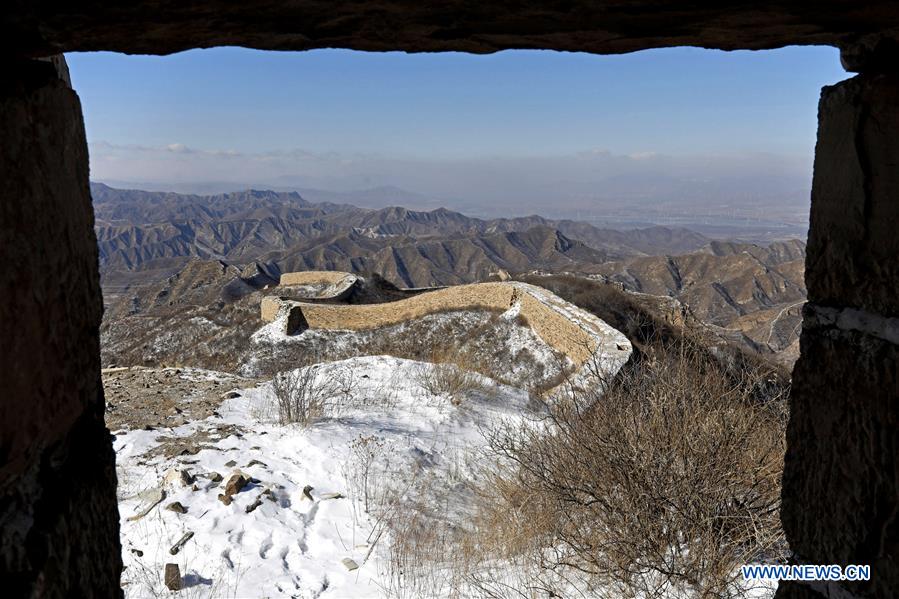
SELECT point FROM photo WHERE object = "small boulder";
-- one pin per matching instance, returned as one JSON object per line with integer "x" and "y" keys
{"x": 215, "y": 477}
{"x": 230, "y": 463}
{"x": 307, "y": 492}
{"x": 226, "y": 499}
{"x": 235, "y": 483}
{"x": 173, "y": 577}
{"x": 254, "y": 505}
{"x": 177, "y": 478}
{"x": 176, "y": 506}
{"x": 349, "y": 564}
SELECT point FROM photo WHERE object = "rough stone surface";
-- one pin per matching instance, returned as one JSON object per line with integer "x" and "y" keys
{"x": 319, "y": 284}
{"x": 176, "y": 506}
{"x": 58, "y": 511}
{"x": 853, "y": 242}
{"x": 173, "y": 577}
{"x": 841, "y": 477}
{"x": 235, "y": 483}
{"x": 177, "y": 478}
{"x": 603, "y": 26}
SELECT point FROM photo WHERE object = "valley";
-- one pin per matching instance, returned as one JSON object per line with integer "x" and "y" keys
{"x": 319, "y": 400}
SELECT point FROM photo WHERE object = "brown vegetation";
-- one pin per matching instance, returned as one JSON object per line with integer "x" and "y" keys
{"x": 666, "y": 482}
{"x": 662, "y": 484}
{"x": 304, "y": 395}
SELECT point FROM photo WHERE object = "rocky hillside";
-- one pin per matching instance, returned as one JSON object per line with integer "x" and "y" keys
{"x": 148, "y": 236}
{"x": 165, "y": 253}
{"x": 742, "y": 288}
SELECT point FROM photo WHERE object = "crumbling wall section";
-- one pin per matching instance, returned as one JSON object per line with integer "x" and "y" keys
{"x": 564, "y": 327}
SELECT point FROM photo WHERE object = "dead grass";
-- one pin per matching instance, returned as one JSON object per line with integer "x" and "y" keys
{"x": 664, "y": 484}
{"x": 451, "y": 373}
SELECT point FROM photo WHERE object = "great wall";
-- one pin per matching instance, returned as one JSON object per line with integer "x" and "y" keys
{"x": 319, "y": 284}
{"x": 566, "y": 328}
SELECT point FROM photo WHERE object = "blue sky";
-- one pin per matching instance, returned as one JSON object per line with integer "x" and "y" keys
{"x": 337, "y": 118}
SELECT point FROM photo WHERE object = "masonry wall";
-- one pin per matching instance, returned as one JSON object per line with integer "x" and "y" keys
{"x": 841, "y": 479}
{"x": 312, "y": 277}
{"x": 577, "y": 339}
{"x": 59, "y": 533}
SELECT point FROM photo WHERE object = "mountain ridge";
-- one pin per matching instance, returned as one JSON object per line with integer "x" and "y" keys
{"x": 156, "y": 232}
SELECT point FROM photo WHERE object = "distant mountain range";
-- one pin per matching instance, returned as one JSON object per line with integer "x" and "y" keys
{"x": 148, "y": 236}
{"x": 163, "y": 251}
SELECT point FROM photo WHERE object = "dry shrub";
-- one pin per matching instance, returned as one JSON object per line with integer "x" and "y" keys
{"x": 304, "y": 395}
{"x": 664, "y": 484}
{"x": 451, "y": 374}
{"x": 418, "y": 561}
{"x": 364, "y": 470}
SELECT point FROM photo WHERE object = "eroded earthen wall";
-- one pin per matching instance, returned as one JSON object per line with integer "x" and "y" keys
{"x": 59, "y": 534}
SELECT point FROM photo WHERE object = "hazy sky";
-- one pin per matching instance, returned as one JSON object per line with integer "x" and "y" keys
{"x": 453, "y": 125}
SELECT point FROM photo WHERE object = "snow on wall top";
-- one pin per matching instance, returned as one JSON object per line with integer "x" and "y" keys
{"x": 319, "y": 284}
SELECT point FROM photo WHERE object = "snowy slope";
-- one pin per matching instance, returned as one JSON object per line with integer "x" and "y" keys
{"x": 290, "y": 546}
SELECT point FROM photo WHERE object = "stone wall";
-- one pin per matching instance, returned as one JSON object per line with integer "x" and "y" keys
{"x": 601, "y": 26}
{"x": 319, "y": 284}
{"x": 57, "y": 498}
{"x": 562, "y": 326}
{"x": 58, "y": 512}
{"x": 841, "y": 479}
{"x": 314, "y": 277}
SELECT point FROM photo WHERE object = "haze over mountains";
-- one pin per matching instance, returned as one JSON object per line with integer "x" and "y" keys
{"x": 750, "y": 207}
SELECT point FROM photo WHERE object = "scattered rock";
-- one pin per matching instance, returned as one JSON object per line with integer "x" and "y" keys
{"x": 235, "y": 483}
{"x": 256, "y": 463}
{"x": 137, "y": 552}
{"x": 215, "y": 477}
{"x": 173, "y": 577}
{"x": 184, "y": 539}
{"x": 176, "y": 506}
{"x": 349, "y": 564}
{"x": 254, "y": 505}
{"x": 226, "y": 499}
{"x": 307, "y": 492}
{"x": 230, "y": 463}
{"x": 176, "y": 477}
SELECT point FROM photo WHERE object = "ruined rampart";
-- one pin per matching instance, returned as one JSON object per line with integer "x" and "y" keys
{"x": 564, "y": 327}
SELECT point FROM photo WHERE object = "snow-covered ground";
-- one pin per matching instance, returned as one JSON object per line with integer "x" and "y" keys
{"x": 514, "y": 352}
{"x": 288, "y": 545}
